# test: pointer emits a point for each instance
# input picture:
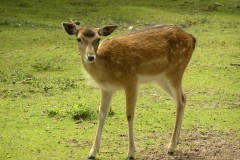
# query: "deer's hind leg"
(131, 96)
(174, 89)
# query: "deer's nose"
(91, 57)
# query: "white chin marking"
(87, 61)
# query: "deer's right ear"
(70, 28)
(106, 30)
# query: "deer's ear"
(70, 28)
(106, 30)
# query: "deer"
(156, 54)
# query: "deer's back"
(149, 51)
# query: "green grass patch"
(77, 112)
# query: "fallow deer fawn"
(159, 54)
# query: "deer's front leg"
(131, 96)
(105, 101)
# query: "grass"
(44, 90)
(77, 112)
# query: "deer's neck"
(96, 70)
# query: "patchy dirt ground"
(200, 146)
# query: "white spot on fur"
(184, 49)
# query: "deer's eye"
(79, 40)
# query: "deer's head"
(88, 38)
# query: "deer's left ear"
(70, 28)
(106, 30)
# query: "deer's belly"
(150, 78)
(108, 87)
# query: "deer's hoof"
(91, 157)
(130, 158)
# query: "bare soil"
(199, 146)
